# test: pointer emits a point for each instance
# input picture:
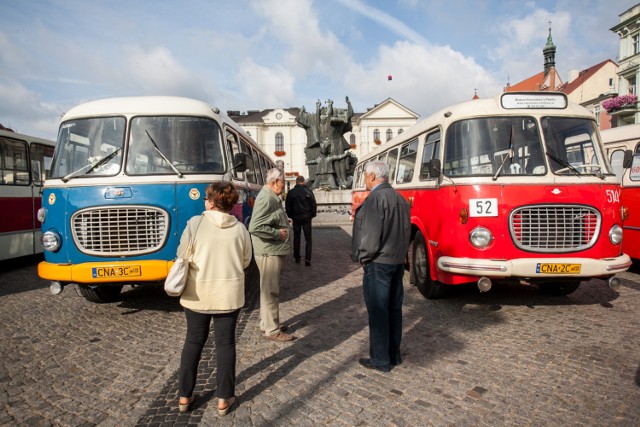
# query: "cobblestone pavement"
(512, 356)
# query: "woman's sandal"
(228, 404)
(184, 403)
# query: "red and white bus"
(623, 149)
(515, 188)
(24, 165)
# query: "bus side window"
(232, 149)
(392, 161)
(13, 162)
(263, 167)
(250, 173)
(407, 162)
(429, 152)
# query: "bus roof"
(480, 108)
(142, 105)
(28, 138)
(621, 133)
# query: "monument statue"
(327, 157)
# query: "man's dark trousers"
(383, 296)
(306, 229)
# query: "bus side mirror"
(434, 168)
(240, 162)
(36, 173)
(628, 159)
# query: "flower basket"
(290, 174)
(352, 146)
(377, 141)
(279, 153)
(619, 102)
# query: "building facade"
(277, 132)
(624, 107)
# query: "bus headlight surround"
(480, 237)
(615, 234)
(51, 241)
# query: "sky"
(258, 54)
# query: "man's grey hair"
(273, 175)
(379, 168)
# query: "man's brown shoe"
(280, 337)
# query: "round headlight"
(615, 234)
(51, 241)
(42, 214)
(480, 237)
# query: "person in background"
(301, 207)
(381, 237)
(215, 290)
(270, 233)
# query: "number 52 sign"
(483, 207)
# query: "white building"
(277, 132)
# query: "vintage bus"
(126, 176)
(24, 164)
(516, 188)
(623, 149)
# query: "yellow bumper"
(106, 272)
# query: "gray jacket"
(267, 219)
(381, 227)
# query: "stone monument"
(327, 152)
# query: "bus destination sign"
(533, 100)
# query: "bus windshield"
(89, 147)
(571, 146)
(497, 146)
(191, 144)
(494, 146)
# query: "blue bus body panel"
(180, 201)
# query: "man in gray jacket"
(381, 237)
(270, 234)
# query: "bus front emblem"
(194, 194)
(52, 198)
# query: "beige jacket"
(221, 252)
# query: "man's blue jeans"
(383, 295)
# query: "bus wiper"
(163, 156)
(508, 156)
(567, 165)
(90, 167)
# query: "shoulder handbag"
(176, 280)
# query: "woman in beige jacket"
(215, 290)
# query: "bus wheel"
(559, 289)
(429, 288)
(100, 294)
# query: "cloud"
(23, 111)
(264, 87)
(421, 77)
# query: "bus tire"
(430, 289)
(100, 294)
(559, 289)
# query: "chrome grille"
(555, 228)
(121, 230)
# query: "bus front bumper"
(536, 268)
(106, 272)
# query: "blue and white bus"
(126, 175)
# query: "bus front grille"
(554, 228)
(119, 231)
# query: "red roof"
(583, 77)
(533, 83)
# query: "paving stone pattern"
(512, 356)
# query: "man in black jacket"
(301, 208)
(381, 237)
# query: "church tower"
(549, 52)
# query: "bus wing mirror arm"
(628, 159)
(435, 168)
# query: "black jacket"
(301, 204)
(381, 227)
